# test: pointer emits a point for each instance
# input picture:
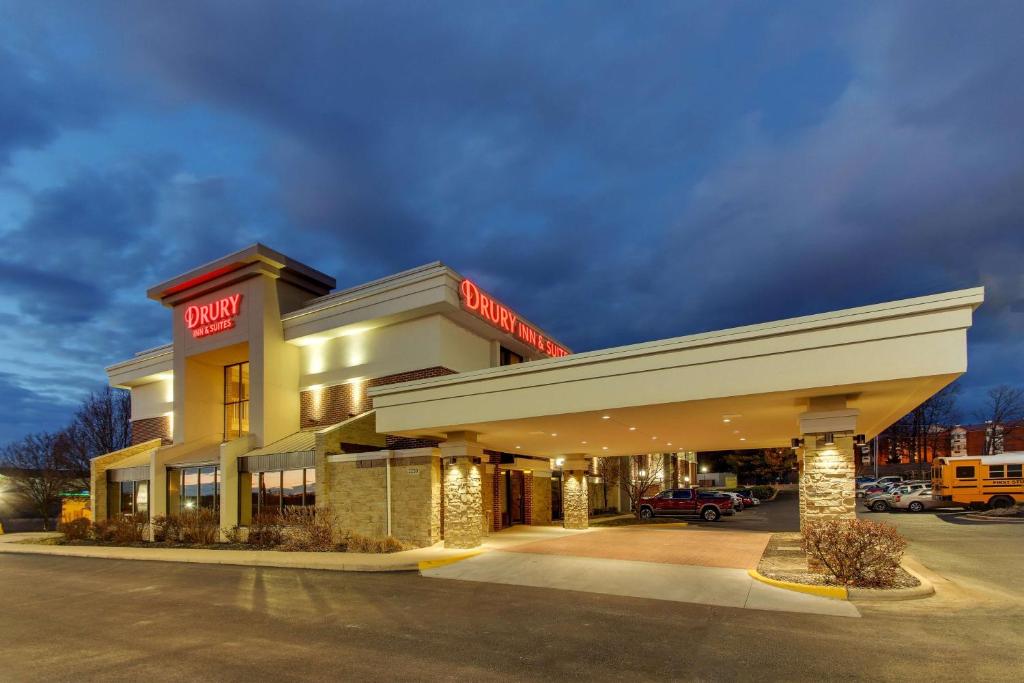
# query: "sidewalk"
(405, 561)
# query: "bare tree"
(101, 425)
(925, 429)
(38, 469)
(1003, 414)
(636, 474)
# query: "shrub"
(192, 527)
(102, 531)
(233, 535)
(75, 530)
(131, 528)
(265, 531)
(199, 527)
(855, 552)
(357, 543)
(308, 529)
(762, 492)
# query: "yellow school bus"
(979, 480)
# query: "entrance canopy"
(744, 387)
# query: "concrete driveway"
(674, 562)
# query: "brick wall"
(330, 405)
(149, 428)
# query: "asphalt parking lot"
(85, 619)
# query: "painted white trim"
(385, 454)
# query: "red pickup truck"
(687, 502)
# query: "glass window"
(292, 486)
(236, 400)
(127, 497)
(682, 495)
(965, 472)
(664, 494)
(272, 492)
(310, 475)
(208, 488)
(997, 471)
(142, 497)
(190, 488)
(1015, 471)
(509, 357)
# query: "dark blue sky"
(616, 171)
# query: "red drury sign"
(216, 316)
(505, 319)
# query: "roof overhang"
(739, 388)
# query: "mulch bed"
(784, 560)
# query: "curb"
(257, 562)
(434, 564)
(997, 520)
(833, 592)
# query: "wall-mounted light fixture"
(859, 440)
(796, 443)
(829, 438)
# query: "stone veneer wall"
(149, 428)
(827, 480)
(575, 503)
(333, 404)
(357, 495)
(464, 518)
(541, 500)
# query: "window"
(1015, 471)
(510, 357)
(236, 400)
(132, 497)
(200, 488)
(272, 492)
(965, 472)
(664, 494)
(997, 471)
(682, 495)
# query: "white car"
(880, 502)
(917, 500)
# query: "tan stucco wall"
(154, 399)
(430, 341)
(98, 467)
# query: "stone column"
(827, 482)
(575, 498)
(666, 470)
(463, 497)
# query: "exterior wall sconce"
(796, 443)
(829, 438)
(859, 440)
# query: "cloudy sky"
(617, 171)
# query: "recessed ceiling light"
(604, 448)
(654, 438)
(606, 417)
(743, 438)
(554, 433)
(583, 442)
(669, 443)
(726, 420)
(518, 447)
(632, 429)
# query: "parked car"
(875, 485)
(917, 500)
(882, 501)
(748, 497)
(687, 502)
(737, 500)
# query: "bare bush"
(308, 529)
(357, 543)
(265, 531)
(75, 530)
(192, 527)
(856, 552)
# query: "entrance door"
(556, 495)
(516, 498)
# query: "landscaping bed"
(785, 560)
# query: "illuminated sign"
(506, 320)
(216, 316)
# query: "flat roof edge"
(972, 297)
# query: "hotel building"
(420, 406)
